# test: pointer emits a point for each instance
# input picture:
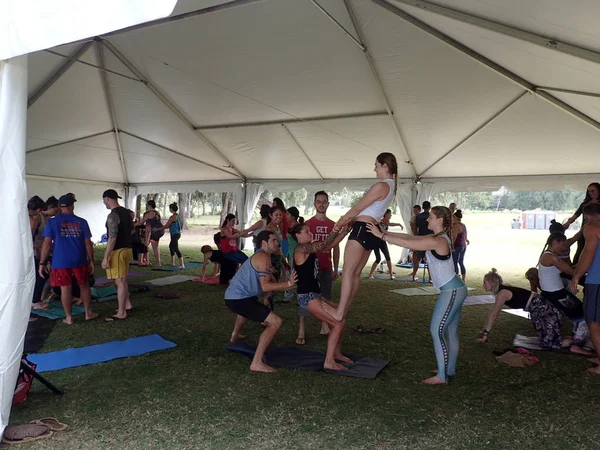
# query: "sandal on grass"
(51, 422)
(25, 433)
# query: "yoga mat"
(528, 342)
(188, 265)
(104, 280)
(56, 311)
(479, 300)
(207, 280)
(421, 290)
(387, 277)
(409, 265)
(303, 359)
(108, 291)
(173, 279)
(83, 356)
(517, 312)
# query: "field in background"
(493, 242)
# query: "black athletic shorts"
(250, 308)
(360, 233)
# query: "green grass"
(198, 395)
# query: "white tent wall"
(16, 265)
(89, 204)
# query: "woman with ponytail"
(446, 313)
(369, 209)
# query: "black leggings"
(384, 249)
(174, 245)
(39, 283)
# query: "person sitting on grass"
(241, 297)
(306, 265)
(222, 267)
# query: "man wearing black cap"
(118, 250)
(72, 256)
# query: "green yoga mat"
(103, 292)
(188, 265)
(56, 311)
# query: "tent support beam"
(72, 180)
(135, 136)
(380, 87)
(113, 115)
(169, 104)
(339, 25)
(489, 64)
(568, 91)
(59, 73)
(290, 134)
(104, 69)
(291, 121)
(537, 39)
(473, 133)
(175, 183)
(89, 136)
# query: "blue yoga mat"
(83, 356)
(409, 265)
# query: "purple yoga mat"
(103, 280)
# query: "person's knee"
(273, 320)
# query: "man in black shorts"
(254, 277)
(422, 230)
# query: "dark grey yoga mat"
(303, 359)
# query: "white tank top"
(550, 280)
(441, 268)
(377, 209)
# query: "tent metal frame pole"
(474, 132)
(169, 104)
(175, 183)
(292, 121)
(380, 87)
(111, 107)
(339, 25)
(489, 64)
(85, 63)
(58, 144)
(191, 158)
(291, 135)
(568, 91)
(72, 180)
(507, 30)
(58, 73)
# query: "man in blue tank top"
(590, 262)
(253, 277)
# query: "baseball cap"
(111, 193)
(66, 200)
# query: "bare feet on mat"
(581, 351)
(182, 267)
(300, 340)
(594, 360)
(594, 370)
(77, 301)
(236, 337)
(433, 380)
(262, 367)
(340, 357)
(92, 316)
(68, 320)
(334, 366)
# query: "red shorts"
(64, 277)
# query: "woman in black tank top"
(309, 291)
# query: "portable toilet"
(537, 220)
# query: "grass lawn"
(198, 395)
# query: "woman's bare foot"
(581, 351)
(342, 358)
(594, 370)
(300, 340)
(262, 367)
(68, 320)
(92, 316)
(594, 360)
(433, 380)
(40, 305)
(77, 301)
(334, 366)
(182, 266)
(335, 313)
(236, 337)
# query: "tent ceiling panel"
(263, 152)
(89, 159)
(147, 163)
(75, 106)
(185, 6)
(575, 22)
(590, 106)
(285, 54)
(43, 64)
(140, 112)
(439, 95)
(346, 148)
(534, 137)
(539, 65)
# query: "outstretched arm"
(315, 247)
(501, 298)
(421, 243)
(263, 264)
(225, 232)
(377, 192)
(171, 220)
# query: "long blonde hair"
(442, 212)
(495, 280)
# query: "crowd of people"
(301, 258)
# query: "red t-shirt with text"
(321, 229)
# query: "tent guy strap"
(169, 104)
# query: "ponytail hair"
(458, 214)
(390, 160)
(494, 279)
(296, 229)
(554, 237)
(442, 212)
(556, 227)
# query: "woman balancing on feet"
(369, 209)
(306, 265)
(446, 313)
(241, 296)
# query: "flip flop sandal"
(25, 433)
(379, 330)
(52, 423)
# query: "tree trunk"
(138, 206)
(213, 204)
(183, 210)
(229, 206)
